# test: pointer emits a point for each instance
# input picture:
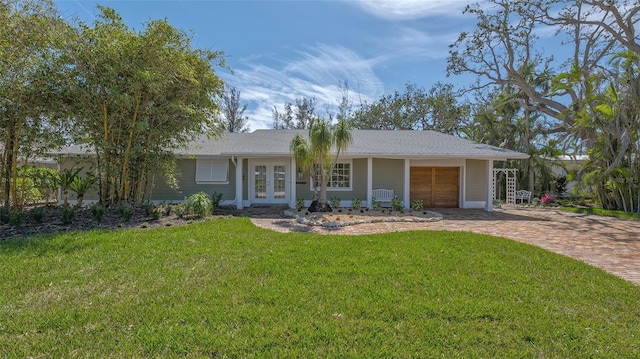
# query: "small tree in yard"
(315, 155)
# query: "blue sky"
(283, 50)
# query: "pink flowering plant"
(546, 199)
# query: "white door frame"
(270, 185)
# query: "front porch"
(456, 183)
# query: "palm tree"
(315, 155)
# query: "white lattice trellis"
(511, 176)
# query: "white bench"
(523, 195)
(383, 195)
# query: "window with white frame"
(340, 179)
(212, 171)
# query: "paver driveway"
(609, 243)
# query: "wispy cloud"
(412, 9)
(411, 43)
(314, 73)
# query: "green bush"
(68, 215)
(216, 198)
(396, 204)
(16, 217)
(37, 214)
(97, 210)
(335, 201)
(27, 191)
(299, 203)
(155, 213)
(180, 210)
(417, 204)
(152, 210)
(126, 211)
(4, 215)
(377, 205)
(199, 204)
(356, 204)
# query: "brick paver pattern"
(609, 243)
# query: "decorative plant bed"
(337, 219)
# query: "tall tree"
(505, 37)
(234, 119)
(415, 109)
(298, 117)
(137, 97)
(315, 155)
(31, 36)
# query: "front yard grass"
(224, 288)
(602, 212)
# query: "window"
(340, 179)
(208, 171)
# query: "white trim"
(337, 189)
(474, 204)
(269, 164)
(407, 183)
(369, 182)
(239, 181)
(212, 171)
(488, 206)
(453, 162)
(292, 182)
(461, 193)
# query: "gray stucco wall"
(476, 180)
(359, 184)
(186, 169)
(389, 174)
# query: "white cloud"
(315, 73)
(411, 43)
(412, 9)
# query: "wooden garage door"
(436, 186)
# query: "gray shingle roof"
(366, 143)
(376, 143)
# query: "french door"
(269, 182)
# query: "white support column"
(488, 206)
(369, 182)
(293, 179)
(407, 183)
(239, 181)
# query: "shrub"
(546, 199)
(215, 199)
(356, 203)
(68, 215)
(97, 210)
(299, 203)
(4, 215)
(152, 211)
(199, 204)
(377, 205)
(27, 191)
(396, 204)
(335, 201)
(417, 204)
(155, 213)
(16, 217)
(126, 211)
(81, 185)
(180, 210)
(37, 214)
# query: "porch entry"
(269, 182)
(436, 186)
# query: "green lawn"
(226, 289)
(602, 212)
